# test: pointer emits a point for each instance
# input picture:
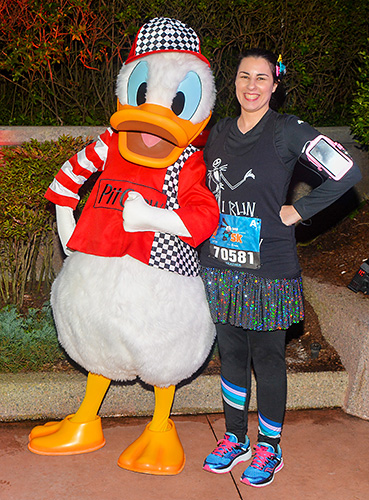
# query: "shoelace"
(223, 446)
(262, 455)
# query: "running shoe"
(265, 463)
(228, 453)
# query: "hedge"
(59, 59)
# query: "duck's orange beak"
(152, 135)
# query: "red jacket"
(99, 230)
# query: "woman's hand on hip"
(289, 215)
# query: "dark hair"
(279, 94)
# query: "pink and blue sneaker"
(228, 453)
(265, 463)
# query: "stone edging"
(32, 396)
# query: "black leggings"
(265, 351)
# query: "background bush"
(27, 219)
(28, 339)
(28, 343)
(60, 58)
(360, 106)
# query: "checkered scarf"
(168, 251)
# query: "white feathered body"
(123, 319)
(117, 316)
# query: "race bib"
(236, 242)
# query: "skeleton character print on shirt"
(236, 242)
(216, 178)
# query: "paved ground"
(326, 456)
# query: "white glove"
(140, 216)
(66, 224)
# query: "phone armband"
(329, 156)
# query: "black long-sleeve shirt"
(291, 135)
(252, 172)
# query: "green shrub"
(28, 343)
(27, 221)
(360, 106)
(59, 60)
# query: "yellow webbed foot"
(70, 438)
(155, 452)
(46, 429)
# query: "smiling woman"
(250, 266)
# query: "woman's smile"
(251, 97)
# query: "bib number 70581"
(236, 242)
(233, 256)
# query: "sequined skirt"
(253, 302)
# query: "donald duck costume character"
(129, 301)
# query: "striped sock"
(269, 431)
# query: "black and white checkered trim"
(168, 251)
(163, 33)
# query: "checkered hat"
(163, 34)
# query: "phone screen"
(329, 157)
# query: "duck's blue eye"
(137, 84)
(188, 96)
